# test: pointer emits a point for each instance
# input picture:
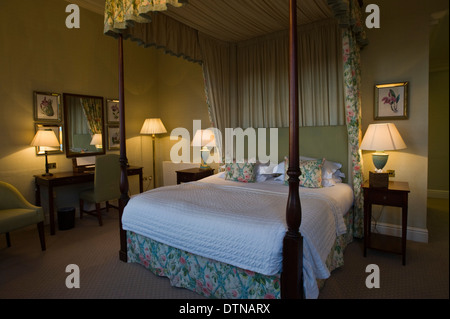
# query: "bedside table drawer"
(193, 174)
(184, 178)
(382, 197)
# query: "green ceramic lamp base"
(379, 160)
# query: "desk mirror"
(84, 125)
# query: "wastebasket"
(66, 218)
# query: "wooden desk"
(70, 178)
(396, 194)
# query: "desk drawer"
(387, 198)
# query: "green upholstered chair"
(16, 212)
(106, 185)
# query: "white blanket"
(238, 225)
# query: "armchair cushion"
(16, 218)
(15, 211)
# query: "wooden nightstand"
(193, 174)
(395, 195)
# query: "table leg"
(37, 194)
(367, 216)
(51, 210)
(404, 227)
(141, 183)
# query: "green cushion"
(12, 219)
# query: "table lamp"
(151, 127)
(379, 138)
(45, 138)
(206, 140)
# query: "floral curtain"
(348, 12)
(93, 112)
(352, 80)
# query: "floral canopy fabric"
(119, 14)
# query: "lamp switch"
(391, 172)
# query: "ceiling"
(236, 20)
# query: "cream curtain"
(263, 81)
(246, 83)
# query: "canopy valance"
(121, 14)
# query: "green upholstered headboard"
(330, 142)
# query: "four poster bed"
(244, 240)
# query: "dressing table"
(70, 178)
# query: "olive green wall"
(438, 141)
(39, 53)
(399, 51)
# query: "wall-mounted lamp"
(45, 138)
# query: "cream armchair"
(16, 212)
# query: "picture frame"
(113, 137)
(112, 111)
(391, 101)
(58, 129)
(47, 107)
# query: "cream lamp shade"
(153, 126)
(45, 138)
(97, 140)
(206, 140)
(382, 137)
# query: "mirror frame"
(67, 129)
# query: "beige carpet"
(27, 272)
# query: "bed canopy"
(231, 40)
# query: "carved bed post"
(123, 156)
(292, 275)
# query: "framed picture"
(47, 106)
(112, 111)
(113, 137)
(58, 129)
(391, 101)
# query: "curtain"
(93, 112)
(263, 81)
(353, 39)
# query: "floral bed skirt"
(211, 278)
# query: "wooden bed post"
(292, 275)
(123, 156)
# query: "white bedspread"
(241, 224)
